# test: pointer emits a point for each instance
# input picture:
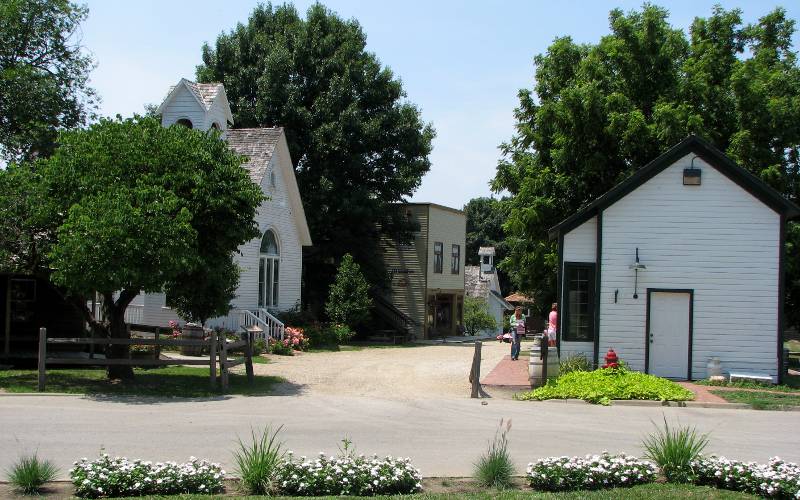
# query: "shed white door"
(669, 334)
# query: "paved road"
(443, 437)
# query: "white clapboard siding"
(184, 106)
(716, 239)
(580, 245)
(449, 227)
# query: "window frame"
(455, 262)
(438, 257)
(564, 307)
(269, 273)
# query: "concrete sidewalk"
(442, 436)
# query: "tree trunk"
(115, 317)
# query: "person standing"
(517, 331)
(552, 325)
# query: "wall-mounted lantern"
(692, 175)
(637, 266)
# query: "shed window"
(185, 122)
(455, 263)
(438, 257)
(579, 303)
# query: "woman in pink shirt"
(552, 325)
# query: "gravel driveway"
(402, 373)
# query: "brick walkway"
(509, 374)
(702, 393)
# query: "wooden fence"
(218, 346)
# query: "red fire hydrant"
(611, 359)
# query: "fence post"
(213, 357)
(248, 360)
(128, 329)
(42, 358)
(223, 362)
(545, 351)
(156, 347)
(475, 373)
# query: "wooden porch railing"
(218, 345)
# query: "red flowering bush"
(176, 330)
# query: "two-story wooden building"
(427, 275)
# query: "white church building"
(271, 266)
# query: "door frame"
(690, 291)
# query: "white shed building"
(271, 265)
(483, 282)
(680, 263)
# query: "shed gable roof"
(206, 94)
(692, 144)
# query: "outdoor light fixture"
(691, 175)
(636, 266)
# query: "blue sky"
(461, 62)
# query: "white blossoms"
(121, 477)
(589, 472)
(777, 479)
(350, 475)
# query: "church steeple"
(197, 105)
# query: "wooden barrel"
(535, 365)
(191, 331)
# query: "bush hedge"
(606, 384)
(589, 473)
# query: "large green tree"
(128, 206)
(485, 219)
(600, 111)
(44, 75)
(357, 144)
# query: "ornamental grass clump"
(29, 474)
(259, 462)
(777, 479)
(495, 469)
(674, 450)
(350, 475)
(591, 472)
(606, 384)
(118, 477)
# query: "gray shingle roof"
(257, 144)
(474, 285)
(206, 92)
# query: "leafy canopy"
(44, 75)
(477, 317)
(130, 206)
(599, 111)
(356, 143)
(348, 297)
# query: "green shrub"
(339, 333)
(320, 337)
(280, 347)
(495, 469)
(259, 346)
(603, 385)
(477, 317)
(29, 474)
(348, 297)
(259, 462)
(674, 450)
(574, 363)
(297, 317)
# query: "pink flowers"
(176, 331)
(294, 337)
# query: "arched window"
(215, 126)
(185, 122)
(268, 270)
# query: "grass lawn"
(173, 381)
(644, 492)
(761, 400)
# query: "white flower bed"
(589, 472)
(777, 479)
(349, 475)
(107, 477)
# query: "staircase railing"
(397, 318)
(270, 325)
